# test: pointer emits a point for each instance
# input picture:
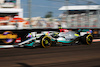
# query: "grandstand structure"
(10, 7)
(81, 16)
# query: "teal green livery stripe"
(31, 44)
(64, 41)
(52, 40)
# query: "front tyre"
(45, 41)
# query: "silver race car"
(48, 38)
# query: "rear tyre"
(45, 41)
(87, 39)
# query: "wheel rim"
(46, 42)
(89, 39)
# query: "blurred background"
(31, 14)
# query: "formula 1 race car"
(48, 38)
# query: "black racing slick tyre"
(45, 41)
(87, 39)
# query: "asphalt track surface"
(58, 56)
